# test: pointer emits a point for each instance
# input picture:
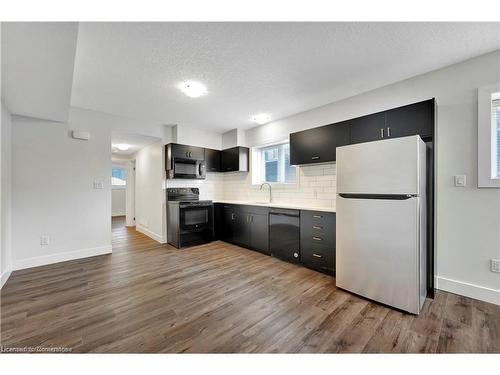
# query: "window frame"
(257, 172)
(486, 137)
(126, 177)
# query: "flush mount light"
(261, 118)
(122, 146)
(193, 89)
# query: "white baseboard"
(469, 290)
(147, 232)
(5, 277)
(61, 257)
(118, 214)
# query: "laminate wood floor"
(148, 297)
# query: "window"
(488, 136)
(272, 164)
(118, 176)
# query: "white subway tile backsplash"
(315, 187)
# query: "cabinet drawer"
(318, 256)
(324, 221)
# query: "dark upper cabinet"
(368, 128)
(235, 159)
(212, 160)
(186, 152)
(318, 145)
(411, 119)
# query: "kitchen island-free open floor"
(148, 297)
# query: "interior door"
(377, 250)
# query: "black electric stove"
(189, 221)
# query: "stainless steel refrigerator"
(381, 221)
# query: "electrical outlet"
(44, 240)
(495, 265)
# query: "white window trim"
(119, 187)
(256, 164)
(486, 135)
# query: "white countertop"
(278, 205)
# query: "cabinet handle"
(317, 239)
(232, 216)
(314, 157)
(317, 256)
(381, 132)
(317, 227)
(317, 216)
(388, 131)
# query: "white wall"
(5, 193)
(52, 190)
(130, 194)
(194, 136)
(118, 201)
(468, 219)
(149, 193)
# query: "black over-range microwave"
(187, 168)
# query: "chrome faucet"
(270, 189)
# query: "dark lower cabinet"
(306, 237)
(317, 240)
(318, 145)
(246, 226)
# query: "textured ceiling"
(131, 69)
(37, 68)
(135, 141)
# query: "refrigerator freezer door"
(377, 250)
(389, 166)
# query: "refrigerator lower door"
(377, 252)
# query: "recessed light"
(261, 118)
(122, 146)
(193, 89)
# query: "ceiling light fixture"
(261, 118)
(122, 146)
(193, 89)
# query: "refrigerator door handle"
(400, 197)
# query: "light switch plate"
(460, 180)
(44, 240)
(98, 185)
(495, 265)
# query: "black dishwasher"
(284, 234)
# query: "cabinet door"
(315, 145)
(411, 119)
(259, 232)
(212, 160)
(230, 160)
(242, 228)
(229, 223)
(188, 152)
(368, 128)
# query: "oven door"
(195, 218)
